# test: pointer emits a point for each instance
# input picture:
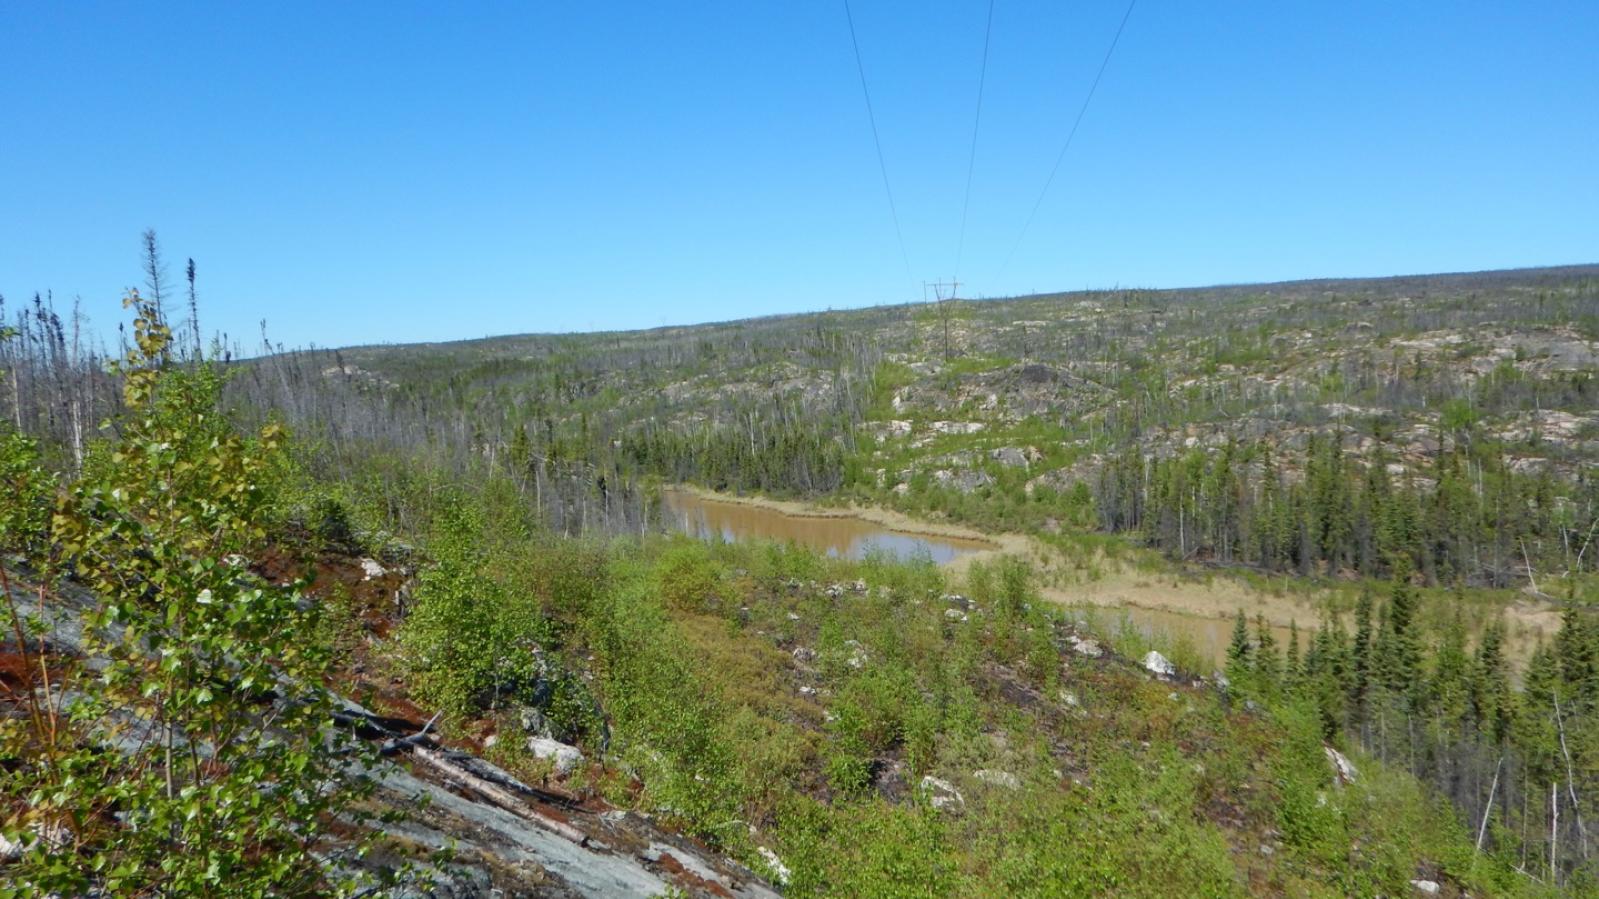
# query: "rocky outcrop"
(500, 835)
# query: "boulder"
(780, 872)
(941, 793)
(1426, 887)
(1009, 456)
(566, 758)
(1159, 664)
(370, 568)
(1343, 769)
(998, 778)
(1083, 647)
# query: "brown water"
(1202, 637)
(853, 538)
(837, 535)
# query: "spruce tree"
(1291, 671)
(1268, 666)
(1361, 657)
(1239, 657)
(1490, 687)
(1404, 662)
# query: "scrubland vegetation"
(187, 603)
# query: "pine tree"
(1404, 663)
(1239, 657)
(1361, 658)
(1490, 686)
(1574, 650)
(1449, 690)
(1268, 666)
(1291, 670)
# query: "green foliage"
(198, 760)
(479, 638)
(27, 492)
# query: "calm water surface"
(854, 538)
(850, 538)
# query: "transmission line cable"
(1071, 134)
(882, 166)
(971, 158)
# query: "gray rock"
(1009, 456)
(1083, 647)
(1343, 769)
(998, 778)
(1159, 664)
(780, 871)
(941, 794)
(566, 758)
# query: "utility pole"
(939, 287)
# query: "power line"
(882, 166)
(971, 159)
(1071, 134)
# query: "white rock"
(1085, 647)
(1343, 769)
(998, 778)
(566, 758)
(371, 569)
(1426, 887)
(780, 871)
(942, 793)
(857, 654)
(1159, 664)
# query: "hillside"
(451, 576)
(1190, 419)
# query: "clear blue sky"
(392, 172)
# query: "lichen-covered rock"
(1343, 769)
(566, 758)
(941, 794)
(1159, 665)
(998, 778)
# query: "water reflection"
(850, 538)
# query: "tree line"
(1520, 765)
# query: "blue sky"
(392, 172)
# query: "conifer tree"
(1361, 657)
(1291, 671)
(1268, 666)
(1239, 657)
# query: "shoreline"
(1215, 598)
(1109, 591)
